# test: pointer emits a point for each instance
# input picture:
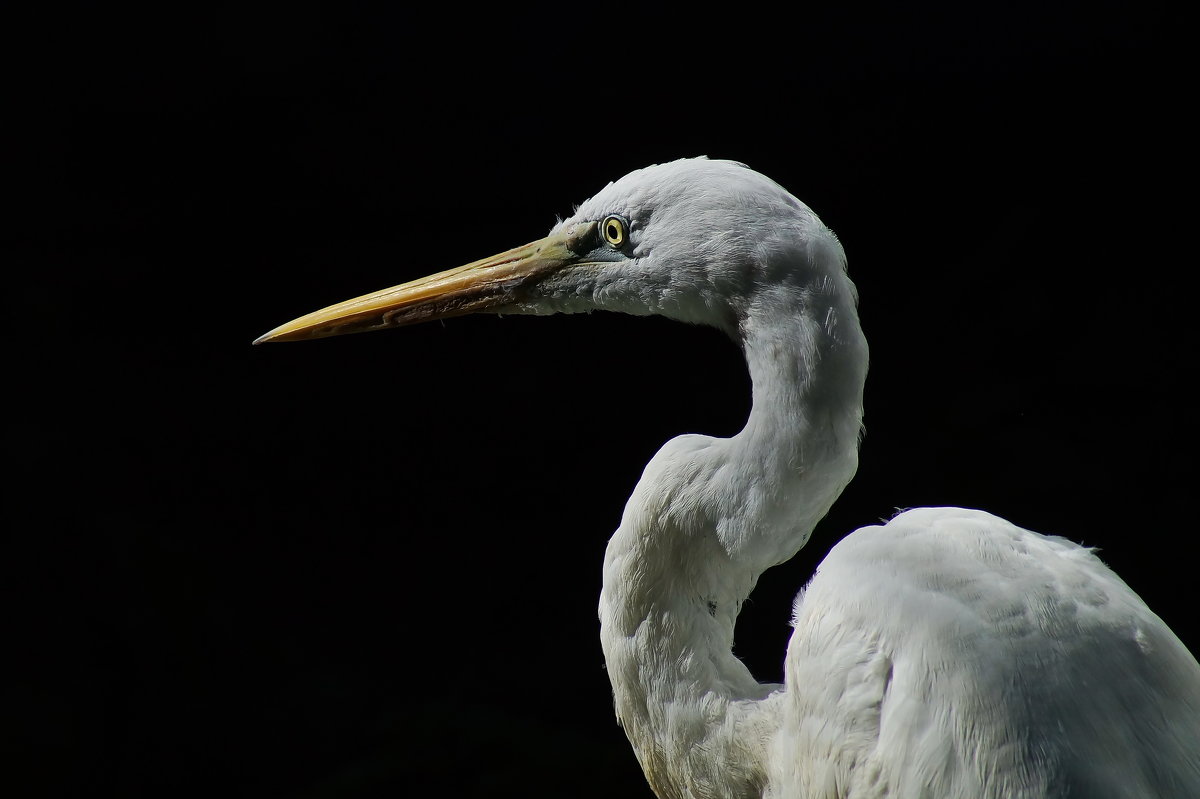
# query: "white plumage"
(945, 654)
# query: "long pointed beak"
(489, 283)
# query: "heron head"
(697, 240)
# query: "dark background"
(369, 566)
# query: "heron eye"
(613, 230)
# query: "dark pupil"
(613, 231)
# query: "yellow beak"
(489, 283)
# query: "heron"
(943, 653)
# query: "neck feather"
(706, 519)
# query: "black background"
(369, 566)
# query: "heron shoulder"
(959, 652)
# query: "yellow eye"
(613, 230)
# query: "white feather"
(944, 654)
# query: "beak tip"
(270, 336)
(289, 332)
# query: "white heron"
(946, 653)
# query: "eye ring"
(615, 231)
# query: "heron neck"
(706, 519)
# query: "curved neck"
(706, 519)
